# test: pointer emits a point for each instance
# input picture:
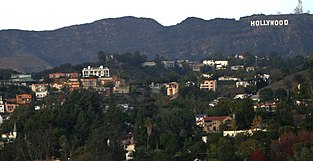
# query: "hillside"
(193, 38)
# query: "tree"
(149, 125)
(266, 94)
(281, 94)
(247, 147)
(258, 155)
(299, 8)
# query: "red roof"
(216, 118)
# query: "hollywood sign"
(269, 23)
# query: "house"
(249, 69)
(267, 106)
(241, 96)
(172, 88)
(221, 64)
(214, 123)
(255, 98)
(73, 83)
(168, 64)
(105, 81)
(200, 119)
(244, 132)
(10, 107)
(207, 75)
(24, 99)
(129, 146)
(242, 84)
(10, 136)
(57, 86)
(21, 78)
(96, 72)
(237, 67)
(89, 83)
(228, 79)
(208, 63)
(209, 85)
(2, 108)
(40, 90)
(149, 64)
(62, 74)
(120, 86)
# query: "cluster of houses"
(96, 78)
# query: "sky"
(53, 14)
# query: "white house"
(208, 62)
(40, 90)
(2, 109)
(98, 72)
(242, 84)
(221, 64)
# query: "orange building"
(24, 99)
(10, 107)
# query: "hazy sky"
(53, 14)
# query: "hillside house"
(120, 86)
(149, 64)
(221, 64)
(24, 99)
(10, 107)
(209, 85)
(89, 83)
(172, 88)
(40, 90)
(168, 64)
(73, 84)
(2, 108)
(63, 75)
(96, 72)
(242, 84)
(208, 63)
(214, 123)
(22, 78)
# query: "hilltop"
(193, 38)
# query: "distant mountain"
(193, 38)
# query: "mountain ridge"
(193, 38)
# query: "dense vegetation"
(85, 125)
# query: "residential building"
(89, 83)
(73, 84)
(24, 99)
(149, 64)
(62, 74)
(267, 106)
(105, 81)
(96, 72)
(57, 86)
(120, 86)
(242, 84)
(209, 85)
(10, 107)
(40, 90)
(241, 96)
(172, 88)
(228, 79)
(208, 62)
(237, 67)
(168, 64)
(2, 109)
(249, 69)
(214, 123)
(22, 78)
(221, 64)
